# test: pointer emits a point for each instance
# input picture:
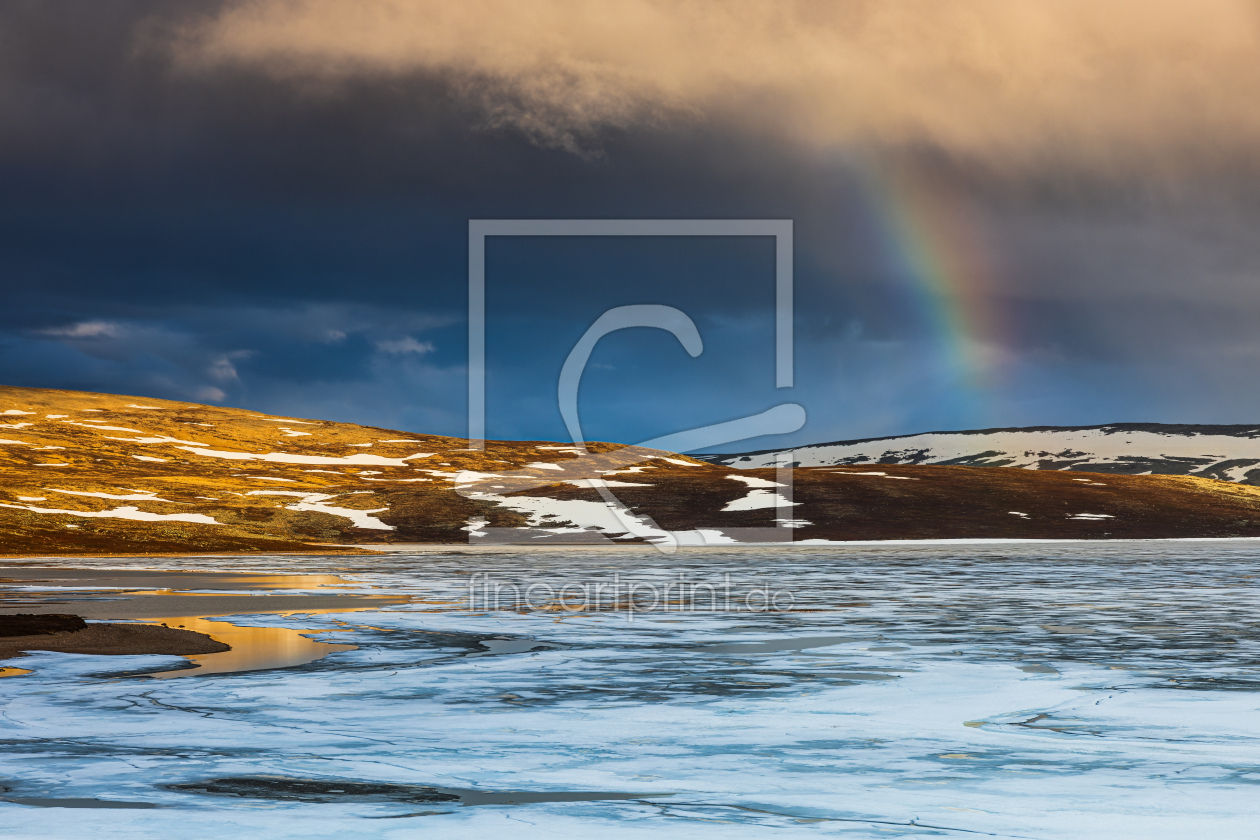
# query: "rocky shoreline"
(63, 633)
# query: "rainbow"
(933, 246)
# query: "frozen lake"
(1029, 691)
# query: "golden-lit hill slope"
(89, 473)
(100, 474)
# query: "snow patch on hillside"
(361, 459)
(758, 500)
(594, 483)
(581, 515)
(314, 502)
(127, 512)
(753, 481)
(1233, 457)
(137, 496)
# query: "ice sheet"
(1048, 692)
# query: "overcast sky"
(1007, 212)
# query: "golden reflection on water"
(252, 581)
(192, 583)
(253, 648)
(14, 672)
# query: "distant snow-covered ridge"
(1229, 453)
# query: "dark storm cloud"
(295, 242)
